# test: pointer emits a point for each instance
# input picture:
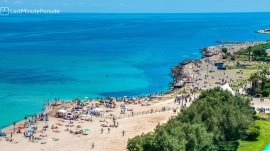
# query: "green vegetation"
(224, 50)
(215, 121)
(260, 83)
(257, 52)
(261, 141)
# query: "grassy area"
(259, 46)
(262, 141)
(242, 54)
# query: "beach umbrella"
(27, 123)
(30, 131)
(87, 129)
(20, 127)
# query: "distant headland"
(264, 31)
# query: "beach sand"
(133, 125)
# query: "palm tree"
(260, 76)
(254, 78)
(249, 52)
(263, 75)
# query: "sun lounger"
(55, 139)
(56, 131)
(104, 125)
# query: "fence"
(121, 116)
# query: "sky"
(142, 6)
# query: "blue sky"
(142, 6)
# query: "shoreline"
(209, 52)
(191, 72)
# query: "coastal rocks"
(181, 73)
(210, 51)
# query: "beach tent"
(226, 87)
(97, 109)
(62, 111)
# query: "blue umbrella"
(30, 131)
(27, 123)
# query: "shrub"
(252, 133)
(215, 118)
(265, 93)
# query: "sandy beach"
(121, 120)
(133, 125)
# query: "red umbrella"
(20, 127)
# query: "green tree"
(224, 50)
(214, 119)
(259, 53)
(254, 78)
(252, 133)
(259, 80)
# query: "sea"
(70, 55)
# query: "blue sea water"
(98, 55)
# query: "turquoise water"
(267, 148)
(97, 55)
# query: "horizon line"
(162, 12)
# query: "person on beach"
(93, 145)
(14, 129)
(123, 132)
(109, 130)
(101, 130)
(11, 135)
(30, 137)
